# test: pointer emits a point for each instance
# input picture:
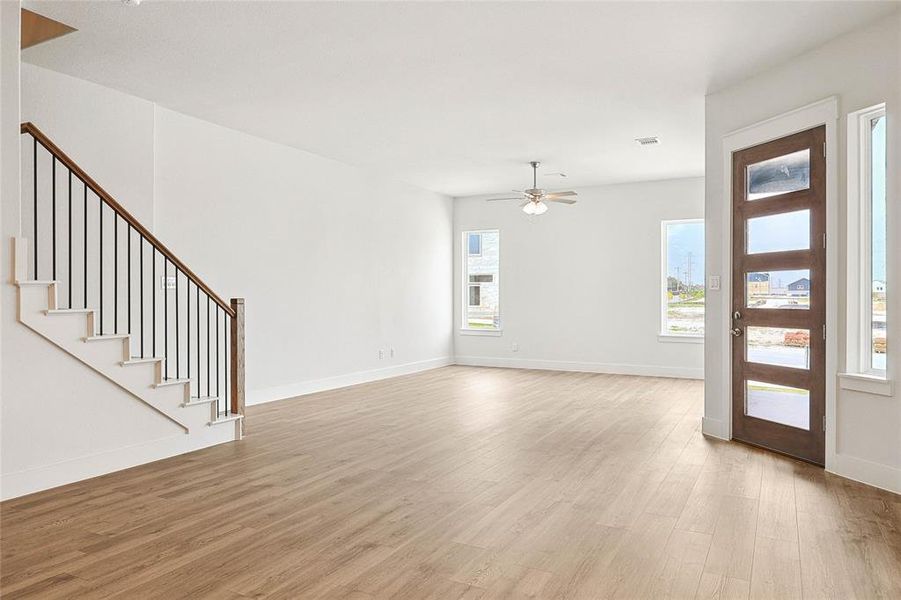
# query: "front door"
(779, 295)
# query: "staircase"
(96, 283)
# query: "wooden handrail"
(120, 210)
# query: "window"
(481, 271)
(867, 254)
(475, 244)
(682, 306)
(475, 295)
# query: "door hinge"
(824, 422)
(824, 332)
(824, 149)
(824, 240)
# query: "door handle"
(736, 331)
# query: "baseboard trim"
(715, 428)
(302, 388)
(585, 367)
(864, 471)
(29, 481)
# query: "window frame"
(860, 251)
(664, 335)
(464, 267)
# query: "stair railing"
(104, 259)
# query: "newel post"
(237, 357)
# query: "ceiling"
(454, 97)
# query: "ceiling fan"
(534, 199)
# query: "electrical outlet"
(714, 283)
(167, 282)
(515, 346)
(381, 354)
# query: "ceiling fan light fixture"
(535, 208)
(534, 199)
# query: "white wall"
(334, 262)
(581, 284)
(108, 133)
(862, 69)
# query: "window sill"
(868, 384)
(675, 338)
(485, 332)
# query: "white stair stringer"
(74, 332)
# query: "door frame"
(823, 112)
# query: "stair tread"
(166, 382)
(37, 282)
(107, 336)
(202, 400)
(137, 360)
(228, 419)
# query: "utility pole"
(690, 256)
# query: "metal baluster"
(208, 345)
(227, 361)
(115, 273)
(70, 239)
(100, 274)
(35, 160)
(197, 308)
(85, 245)
(188, 323)
(53, 245)
(218, 357)
(153, 302)
(129, 287)
(141, 288)
(177, 345)
(165, 318)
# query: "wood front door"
(779, 295)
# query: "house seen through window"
(481, 309)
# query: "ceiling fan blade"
(510, 198)
(560, 194)
(524, 203)
(560, 200)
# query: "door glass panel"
(779, 233)
(778, 346)
(779, 175)
(778, 289)
(778, 403)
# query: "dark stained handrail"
(122, 212)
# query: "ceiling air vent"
(648, 141)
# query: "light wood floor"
(463, 482)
